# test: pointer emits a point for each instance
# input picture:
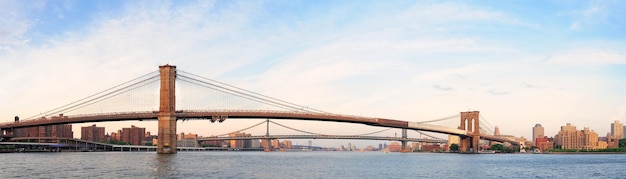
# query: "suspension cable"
(47, 113)
(375, 132)
(243, 129)
(244, 94)
(295, 129)
(103, 96)
(271, 98)
(440, 119)
(110, 96)
(223, 91)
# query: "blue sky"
(518, 62)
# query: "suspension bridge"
(241, 104)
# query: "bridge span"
(355, 137)
(167, 115)
(221, 115)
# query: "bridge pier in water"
(167, 111)
(404, 142)
(471, 124)
(268, 141)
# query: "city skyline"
(562, 62)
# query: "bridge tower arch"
(471, 124)
(167, 111)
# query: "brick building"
(92, 133)
(133, 135)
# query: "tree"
(622, 143)
(454, 147)
(497, 147)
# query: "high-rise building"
(617, 130)
(537, 133)
(133, 135)
(59, 130)
(286, 144)
(570, 138)
(92, 133)
(496, 131)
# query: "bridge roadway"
(221, 115)
(324, 137)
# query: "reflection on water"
(307, 165)
(164, 165)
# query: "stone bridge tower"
(471, 124)
(167, 111)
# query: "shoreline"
(560, 153)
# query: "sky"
(517, 62)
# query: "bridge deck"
(250, 114)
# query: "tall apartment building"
(617, 130)
(133, 135)
(60, 130)
(92, 133)
(537, 133)
(570, 138)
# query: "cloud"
(498, 92)
(583, 56)
(595, 13)
(443, 89)
(14, 24)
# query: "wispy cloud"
(443, 89)
(594, 13)
(583, 56)
(498, 92)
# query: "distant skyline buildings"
(538, 132)
(92, 133)
(617, 130)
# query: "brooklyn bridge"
(469, 129)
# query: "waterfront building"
(617, 130)
(570, 138)
(133, 135)
(92, 133)
(59, 130)
(544, 143)
(236, 143)
(395, 147)
(537, 132)
(286, 144)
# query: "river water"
(308, 165)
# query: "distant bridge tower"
(471, 124)
(167, 111)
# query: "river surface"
(308, 165)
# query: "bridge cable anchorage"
(241, 129)
(91, 98)
(244, 95)
(258, 94)
(440, 119)
(53, 111)
(248, 98)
